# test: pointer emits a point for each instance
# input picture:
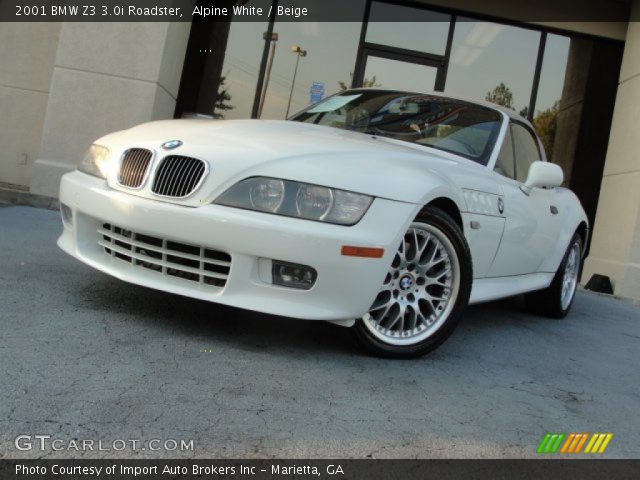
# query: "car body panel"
(530, 231)
(247, 237)
(515, 239)
(237, 149)
(488, 289)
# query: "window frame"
(513, 152)
(536, 142)
(457, 13)
(510, 122)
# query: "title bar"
(286, 11)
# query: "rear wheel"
(424, 292)
(555, 301)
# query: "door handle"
(554, 209)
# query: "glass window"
(239, 74)
(451, 125)
(326, 68)
(427, 32)
(494, 62)
(395, 74)
(526, 150)
(554, 67)
(505, 163)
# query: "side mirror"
(543, 175)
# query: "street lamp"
(299, 53)
(273, 40)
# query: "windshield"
(451, 125)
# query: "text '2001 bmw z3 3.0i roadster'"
(387, 212)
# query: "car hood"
(237, 149)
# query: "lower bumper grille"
(181, 260)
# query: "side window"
(505, 164)
(526, 150)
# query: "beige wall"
(615, 249)
(106, 77)
(27, 52)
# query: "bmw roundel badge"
(171, 144)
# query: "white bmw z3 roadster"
(387, 212)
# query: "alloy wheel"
(570, 276)
(419, 290)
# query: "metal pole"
(536, 77)
(295, 72)
(263, 62)
(266, 80)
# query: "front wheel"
(424, 292)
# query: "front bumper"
(345, 286)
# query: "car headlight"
(313, 201)
(95, 161)
(295, 199)
(268, 195)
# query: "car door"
(532, 222)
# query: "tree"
(501, 95)
(366, 83)
(222, 96)
(545, 123)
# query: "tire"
(424, 292)
(555, 301)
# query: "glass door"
(398, 74)
(403, 47)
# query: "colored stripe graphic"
(598, 443)
(543, 443)
(550, 443)
(567, 443)
(572, 443)
(584, 439)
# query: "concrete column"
(27, 53)
(106, 77)
(615, 249)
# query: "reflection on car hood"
(238, 149)
(271, 138)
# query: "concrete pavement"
(85, 356)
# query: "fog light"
(293, 275)
(67, 214)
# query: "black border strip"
(326, 469)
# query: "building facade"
(64, 84)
